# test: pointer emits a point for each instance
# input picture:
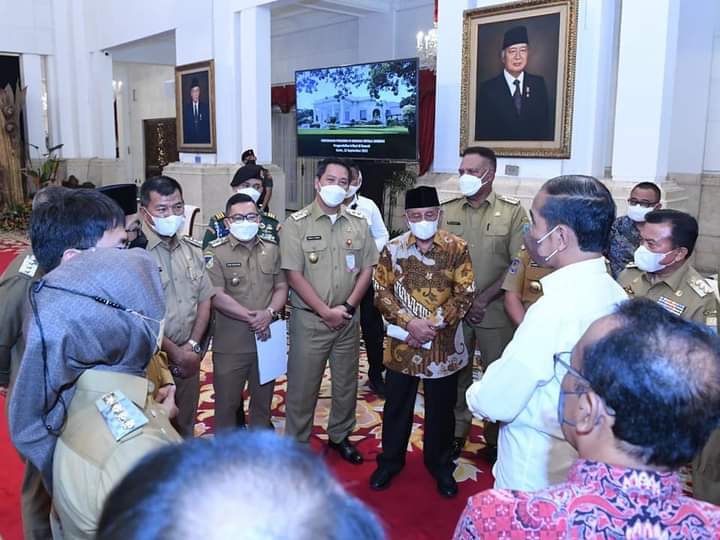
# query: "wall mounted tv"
(359, 111)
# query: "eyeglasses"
(239, 218)
(430, 215)
(632, 201)
(561, 367)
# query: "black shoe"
(489, 454)
(457, 446)
(347, 451)
(377, 386)
(381, 478)
(446, 485)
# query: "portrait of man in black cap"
(196, 114)
(514, 105)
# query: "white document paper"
(273, 353)
(394, 331)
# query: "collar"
(511, 80)
(234, 242)
(316, 212)
(673, 280)
(557, 281)
(103, 381)
(643, 482)
(154, 239)
(490, 200)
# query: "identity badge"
(350, 262)
(121, 415)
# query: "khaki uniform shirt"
(494, 234)
(249, 276)
(438, 286)
(523, 278)
(684, 292)
(14, 289)
(88, 462)
(330, 256)
(186, 284)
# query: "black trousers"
(373, 333)
(440, 394)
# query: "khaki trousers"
(311, 345)
(230, 373)
(490, 342)
(187, 394)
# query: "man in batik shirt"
(639, 398)
(424, 286)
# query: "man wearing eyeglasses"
(250, 289)
(492, 225)
(625, 232)
(571, 218)
(639, 396)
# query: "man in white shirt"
(370, 319)
(571, 219)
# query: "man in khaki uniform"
(250, 289)
(492, 225)
(187, 288)
(662, 272)
(522, 285)
(328, 254)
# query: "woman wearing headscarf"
(82, 410)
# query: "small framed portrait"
(195, 106)
(518, 78)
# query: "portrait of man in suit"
(514, 105)
(196, 115)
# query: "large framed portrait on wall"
(195, 107)
(518, 78)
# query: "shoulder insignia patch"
(121, 415)
(219, 216)
(711, 318)
(509, 200)
(300, 214)
(454, 199)
(218, 241)
(701, 287)
(209, 260)
(29, 266)
(355, 213)
(190, 240)
(271, 215)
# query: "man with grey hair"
(571, 218)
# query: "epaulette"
(271, 216)
(29, 266)
(218, 242)
(509, 200)
(300, 214)
(701, 287)
(356, 213)
(190, 240)
(454, 199)
(219, 216)
(631, 265)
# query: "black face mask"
(139, 242)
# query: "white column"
(31, 68)
(646, 69)
(228, 86)
(254, 81)
(449, 73)
(103, 117)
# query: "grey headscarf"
(69, 333)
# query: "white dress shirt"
(519, 389)
(510, 80)
(374, 218)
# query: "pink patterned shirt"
(598, 501)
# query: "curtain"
(426, 118)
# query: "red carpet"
(410, 510)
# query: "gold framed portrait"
(518, 78)
(195, 107)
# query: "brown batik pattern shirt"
(437, 285)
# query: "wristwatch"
(196, 347)
(350, 308)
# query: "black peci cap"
(421, 197)
(517, 34)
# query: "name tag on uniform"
(121, 415)
(234, 264)
(350, 262)
(454, 223)
(314, 237)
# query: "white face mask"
(424, 230)
(253, 193)
(245, 230)
(637, 213)
(168, 226)
(332, 195)
(352, 190)
(469, 185)
(647, 261)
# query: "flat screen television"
(362, 111)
